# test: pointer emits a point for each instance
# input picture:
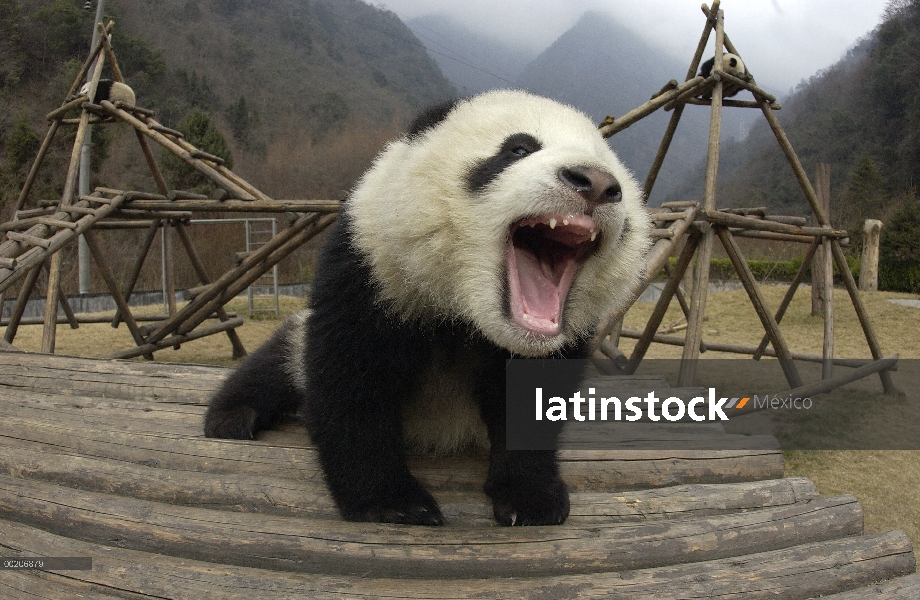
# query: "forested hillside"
(304, 91)
(861, 116)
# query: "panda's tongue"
(544, 256)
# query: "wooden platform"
(106, 459)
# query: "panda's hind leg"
(255, 394)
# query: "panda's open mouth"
(545, 254)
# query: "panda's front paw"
(237, 423)
(531, 504)
(412, 506)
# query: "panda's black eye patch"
(515, 147)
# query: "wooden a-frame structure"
(697, 225)
(35, 236)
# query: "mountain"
(860, 115)
(471, 61)
(305, 91)
(603, 68)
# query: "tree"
(200, 131)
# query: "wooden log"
(861, 314)
(670, 288)
(30, 240)
(790, 292)
(827, 385)
(109, 55)
(280, 454)
(386, 550)
(88, 63)
(253, 206)
(730, 220)
(900, 588)
(21, 301)
(239, 351)
(694, 335)
(152, 163)
(126, 380)
(753, 292)
(642, 111)
(310, 499)
(205, 303)
(65, 108)
(805, 571)
(8, 263)
(166, 130)
(751, 87)
(796, 165)
(203, 168)
(36, 165)
(868, 264)
(819, 289)
(731, 102)
(252, 274)
(112, 284)
(138, 265)
(177, 340)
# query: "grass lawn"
(887, 483)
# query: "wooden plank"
(373, 549)
(296, 497)
(159, 382)
(289, 455)
(901, 588)
(802, 572)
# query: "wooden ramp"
(105, 459)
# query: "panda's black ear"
(430, 117)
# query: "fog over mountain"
(598, 66)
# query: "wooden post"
(818, 267)
(868, 265)
(694, 335)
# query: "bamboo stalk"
(769, 323)
(790, 292)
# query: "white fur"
(438, 251)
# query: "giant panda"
(731, 63)
(499, 226)
(113, 91)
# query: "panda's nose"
(594, 185)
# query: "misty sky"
(782, 41)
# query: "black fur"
(362, 364)
(103, 90)
(430, 118)
(514, 148)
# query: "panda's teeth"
(565, 221)
(593, 235)
(552, 223)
